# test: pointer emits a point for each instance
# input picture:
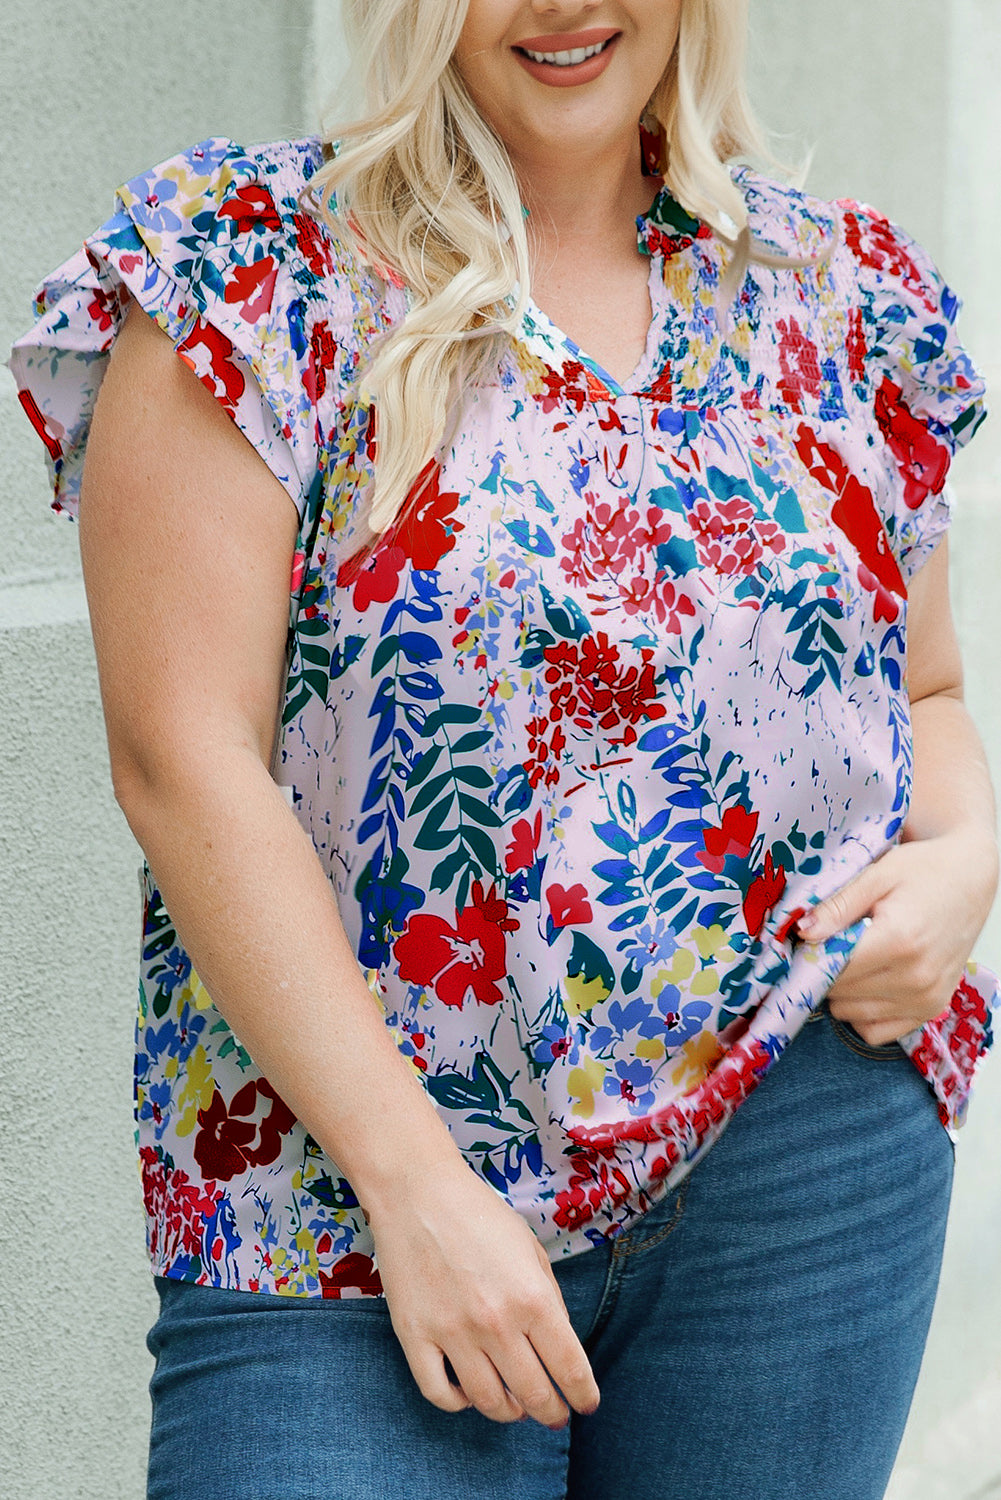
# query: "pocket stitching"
(875, 1052)
(620, 1252)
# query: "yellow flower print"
(679, 283)
(580, 994)
(199, 1086)
(288, 1277)
(711, 943)
(305, 1243)
(582, 1082)
(696, 1060)
(739, 337)
(702, 357)
(195, 993)
(681, 968)
(650, 1047)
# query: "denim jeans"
(757, 1336)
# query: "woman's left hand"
(927, 900)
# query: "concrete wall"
(94, 93)
(901, 105)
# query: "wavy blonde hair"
(422, 189)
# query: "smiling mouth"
(569, 59)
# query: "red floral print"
(799, 364)
(53, 442)
(764, 892)
(463, 960)
(855, 345)
(588, 685)
(225, 1143)
(521, 851)
(873, 241)
(569, 908)
(730, 537)
(428, 526)
(594, 1185)
(854, 512)
(733, 839)
(313, 244)
(100, 310)
(217, 368)
(660, 242)
(177, 1209)
(355, 1272)
(251, 207)
(375, 577)
(253, 286)
(568, 386)
(923, 460)
(322, 351)
(616, 542)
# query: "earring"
(653, 144)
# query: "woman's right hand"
(467, 1282)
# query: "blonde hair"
(423, 190)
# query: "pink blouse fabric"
(577, 742)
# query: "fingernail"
(792, 921)
(807, 922)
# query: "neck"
(586, 205)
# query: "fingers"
(525, 1389)
(508, 1366)
(511, 1377)
(557, 1346)
(427, 1365)
(907, 963)
(879, 1032)
(898, 962)
(853, 902)
(487, 1392)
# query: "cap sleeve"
(214, 246)
(926, 393)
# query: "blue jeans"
(757, 1336)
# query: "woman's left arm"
(929, 896)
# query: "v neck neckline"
(537, 322)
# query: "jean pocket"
(850, 1038)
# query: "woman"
(593, 775)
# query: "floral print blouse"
(576, 743)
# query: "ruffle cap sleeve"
(927, 395)
(213, 245)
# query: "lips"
(565, 59)
(567, 41)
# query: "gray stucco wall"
(901, 104)
(102, 90)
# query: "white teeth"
(566, 59)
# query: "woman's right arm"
(187, 543)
